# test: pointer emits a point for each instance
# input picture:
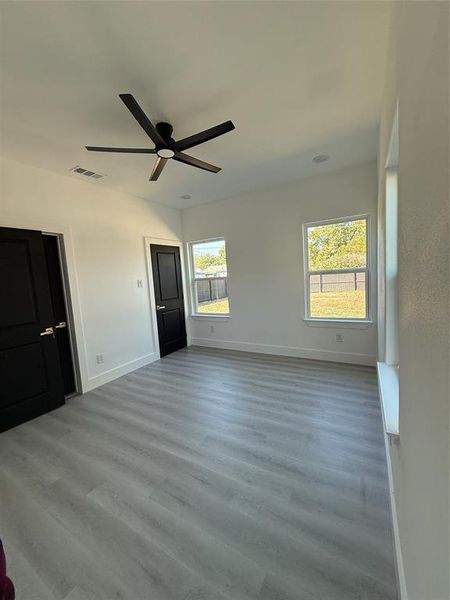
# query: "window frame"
(367, 270)
(193, 280)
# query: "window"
(209, 277)
(336, 265)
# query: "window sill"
(338, 323)
(210, 316)
(389, 395)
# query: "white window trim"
(193, 279)
(388, 371)
(326, 321)
(391, 267)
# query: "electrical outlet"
(139, 283)
(339, 337)
(211, 328)
(99, 358)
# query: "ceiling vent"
(85, 172)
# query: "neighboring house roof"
(215, 269)
(212, 271)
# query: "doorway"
(169, 298)
(36, 359)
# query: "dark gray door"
(168, 286)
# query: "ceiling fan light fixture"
(165, 153)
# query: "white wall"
(263, 233)
(418, 75)
(104, 237)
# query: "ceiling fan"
(165, 146)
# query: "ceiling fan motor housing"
(166, 150)
(165, 131)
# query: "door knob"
(158, 307)
(47, 331)
(61, 325)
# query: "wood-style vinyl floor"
(208, 475)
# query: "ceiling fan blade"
(160, 163)
(141, 118)
(195, 162)
(130, 150)
(204, 136)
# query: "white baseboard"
(116, 372)
(328, 355)
(400, 572)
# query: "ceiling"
(297, 79)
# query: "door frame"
(71, 293)
(151, 289)
(69, 312)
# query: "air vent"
(85, 172)
(320, 158)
